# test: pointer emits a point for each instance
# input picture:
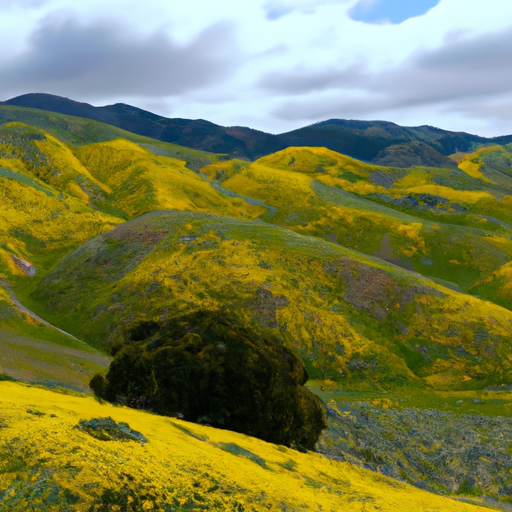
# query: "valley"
(390, 278)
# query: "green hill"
(354, 319)
(376, 141)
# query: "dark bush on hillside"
(209, 369)
(98, 384)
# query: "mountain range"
(378, 142)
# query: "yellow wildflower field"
(47, 463)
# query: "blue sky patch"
(390, 11)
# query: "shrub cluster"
(206, 368)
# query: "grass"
(48, 463)
(32, 351)
(33, 360)
(483, 402)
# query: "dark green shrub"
(209, 369)
(97, 385)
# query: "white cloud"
(312, 63)
(9, 4)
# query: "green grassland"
(35, 352)
(355, 319)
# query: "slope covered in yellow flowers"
(54, 197)
(352, 318)
(49, 463)
(448, 224)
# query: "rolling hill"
(52, 202)
(72, 453)
(373, 273)
(449, 224)
(353, 319)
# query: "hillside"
(360, 326)
(354, 319)
(365, 270)
(49, 189)
(376, 141)
(65, 453)
(448, 224)
(34, 351)
(453, 443)
(50, 203)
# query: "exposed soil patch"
(381, 179)
(25, 266)
(266, 306)
(371, 290)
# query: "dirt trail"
(22, 309)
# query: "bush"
(209, 369)
(98, 384)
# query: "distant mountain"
(379, 142)
(367, 140)
(196, 134)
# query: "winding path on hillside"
(22, 309)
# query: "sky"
(273, 65)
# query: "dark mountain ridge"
(379, 142)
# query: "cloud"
(276, 9)
(299, 81)
(390, 11)
(9, 4)
(464, 75)
(104, 59)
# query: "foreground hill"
(65, 453)
(376, 141)
(357, 320)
